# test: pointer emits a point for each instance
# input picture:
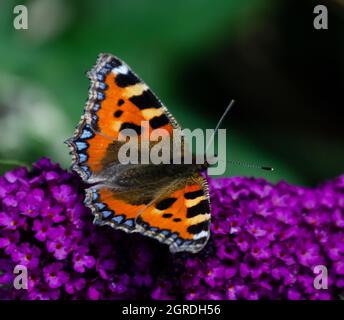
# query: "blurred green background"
(286, 77)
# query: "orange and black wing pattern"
(109, 209)
(117, 100)
(180, 219)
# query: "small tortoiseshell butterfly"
(168, 202)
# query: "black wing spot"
(130, 125)
(167, 215)
(177, 219)
(125, 80)
(120, 102)
(165, 204)
(199, 227)
(200, 208)
(145, 100)
(193, 194)
(139, 220)
(118, 113)
(159, 121)
(115, 62)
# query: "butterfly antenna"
(266, 168)
(218, 125)
(249, 165)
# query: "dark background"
(286, 76)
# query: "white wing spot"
(200, 235)
(123, 69)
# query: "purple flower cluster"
(266, 240)
(45, 227)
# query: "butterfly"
(167, 202)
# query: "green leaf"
(7, 164)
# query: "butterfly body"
(168, 202)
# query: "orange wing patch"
(109, 210)
(88, 150)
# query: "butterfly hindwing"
(180, 219)
(109, 209)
